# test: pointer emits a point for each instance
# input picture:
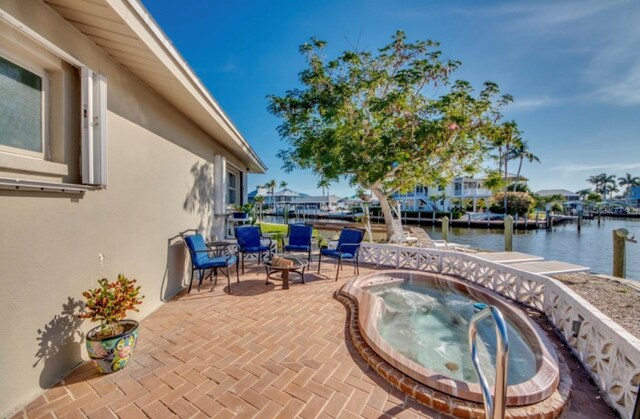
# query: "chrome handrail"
(494, 408)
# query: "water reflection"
(591, 247)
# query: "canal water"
(592, 247)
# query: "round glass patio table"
(272, 267)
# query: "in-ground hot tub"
(418, 322)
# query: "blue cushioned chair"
(203, 259)
(348, 248)
(250, 241)
(299, 239)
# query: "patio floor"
(260, 352)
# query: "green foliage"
(519, 203)
(386, 120)
(110, 302)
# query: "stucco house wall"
(53, 245)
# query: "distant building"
(566, 195)
(283, 196)
(316, 202)
(634, 197)
(435, 198)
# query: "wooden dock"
(531, 263)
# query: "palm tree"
(521, 151)
(258, 201)
(601, 183)
(271, 186)
(609, 185)
(584, 193)
(283, 184)
(628, 182)
(324, 184)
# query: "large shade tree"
(386, 120)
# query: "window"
(232, 188)
(22, 109)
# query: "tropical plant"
(271, 187)
(258, 203)
(628, 182)
(519, 203)
(494, 181)
(324, 184)
(110, 302)
(584, 193)
(520, 151)
(283, 184)
(387, 120)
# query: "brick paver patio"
(261, 352)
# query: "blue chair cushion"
(218, 262)
(333, 253)
(349, 241)
(300, 235)
(294, 247)
(254, 249)
(197, 249)
(248, 236)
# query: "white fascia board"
(142, 23)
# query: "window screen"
(20, 107)
(231, 189)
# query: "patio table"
(297, 265)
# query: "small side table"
(298, 266)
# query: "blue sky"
(572, 66)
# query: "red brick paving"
(260, 352)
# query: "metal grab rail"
(494, 408)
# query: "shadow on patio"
(279, 353)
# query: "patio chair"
(203, 260)
(348, 248)
(250, 241)
(299, 239)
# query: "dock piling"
(508, 233)
(620, 237)
(445, 228)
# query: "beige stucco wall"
(54, 246)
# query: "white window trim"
(44, 76)
(232, 170)
(97, 176)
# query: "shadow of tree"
(59, 343)
(199, 199)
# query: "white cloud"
(607, 33)
(533, 103)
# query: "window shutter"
(219, 185)
(94, 128)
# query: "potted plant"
(239, 212)
(111, 344)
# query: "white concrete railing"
(609, 353)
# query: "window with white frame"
(37, 116)
(232, 188)
(23, 118)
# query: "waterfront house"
(316, 202)
(110, 145)
(437, 198)
(281, 197)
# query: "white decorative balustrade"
(608, 352)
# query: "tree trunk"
(386, 211)
(519, 169)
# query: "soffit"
(126, 31)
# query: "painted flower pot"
(113, 353)
(240, 215)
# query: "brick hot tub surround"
(545, 394)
